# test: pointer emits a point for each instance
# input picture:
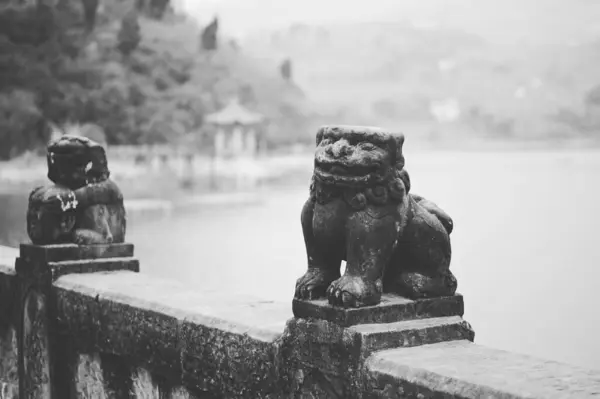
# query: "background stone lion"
(83, 205)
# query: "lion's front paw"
(354, 291)
(314, 283)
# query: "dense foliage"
(132, 67)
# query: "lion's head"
(75, 161)
(356, 156)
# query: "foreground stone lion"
(83, 206)
(360, 211)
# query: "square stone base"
(62, 259)
(393, 308)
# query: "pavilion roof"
(234, 112)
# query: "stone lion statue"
(83, 206)
(360, 211)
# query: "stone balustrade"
(78, 320)
(103, 330)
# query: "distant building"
(238, 132)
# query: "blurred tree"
(286, 69)
(153, 8)
(158, 8)
(129, 36)
(158, 91)
(21, 123)
(90, 8)
(27, 24)
(209, 36)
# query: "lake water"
(526, 245)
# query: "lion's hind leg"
(93, 227)
(420, 267)
(90, 237)
(415, 285)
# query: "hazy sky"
(501, 20)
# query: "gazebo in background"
(238, 132)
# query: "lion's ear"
(405, 179)
(320, 134)
(399, 138)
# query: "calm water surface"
(525, 246)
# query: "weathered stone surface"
(392, 308)
(111, 326)
(35, 367)
(117, 375)
(67, 252)
(89, 378)
(41, 262)
(376, 337)
(360, 211)
(461, 369)
(224, 346)
(8, 297)
(330, 357)
(83, 206)
(58, 269)
(322, 358)
(263, 320)
(45, 358)
(9, 363)
(217, 345)
(149, 338)
(228, 363)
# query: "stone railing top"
(465, 370)
(260, 319)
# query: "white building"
(238, 131)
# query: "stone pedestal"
(37, 267)
(327, 346)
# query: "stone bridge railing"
(81, 322)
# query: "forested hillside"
(446, 81)
(132, 67)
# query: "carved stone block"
(328, 345)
